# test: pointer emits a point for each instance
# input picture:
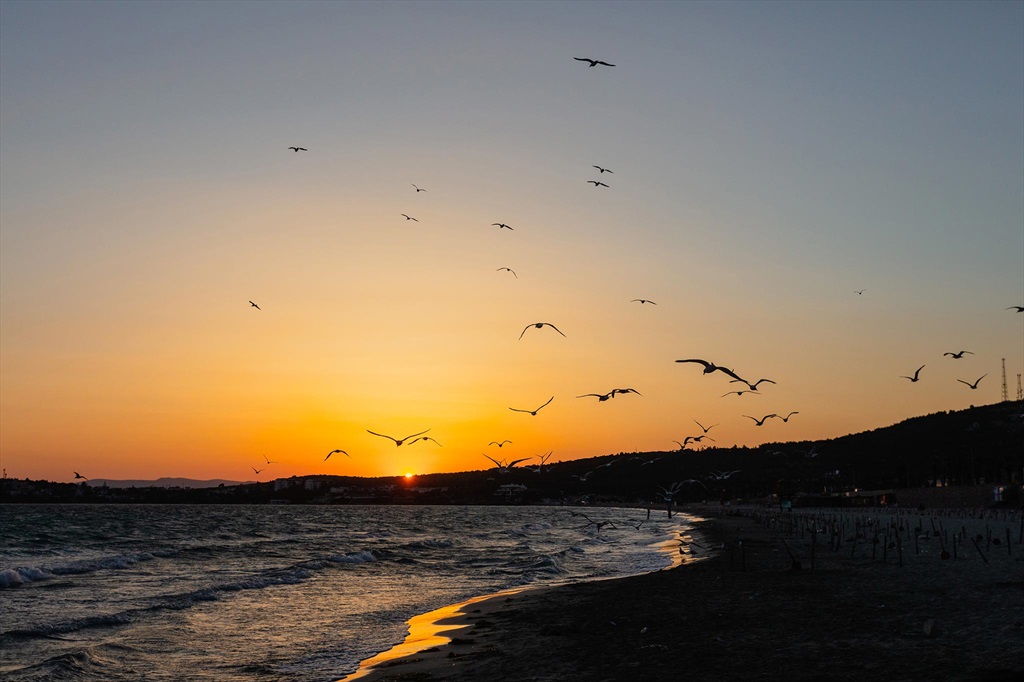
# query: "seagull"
(341, 451)
(494, 442)
(584, 476)
(593, 62)
(595, 183)
(704, 428)
(255, 306)
(538, 325)
(409, 217)
(740, 393)
(1018, 308)
(502, 225)
(753, 386)
(975, 384)
(397, 441)
(257, 470)
(298, 149)
(534, 412)
(916, 375)
(424, 438)
(957, 356)
(710, 367)
(602, 170)
(643, 300)
(78, 475)
(417, 188)
(268, 460)
(859, 292)
(721, 475)
(510, 270)
(696, 439)
(601, 397)
(682, 446)
(505, 468)
(786, 418)
(762, 420)
(599, 524)
(625, 390)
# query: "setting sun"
(408, 475)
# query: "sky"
(768, 161)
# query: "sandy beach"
(879, 602)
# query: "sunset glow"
(766, 168)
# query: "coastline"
(754, 610)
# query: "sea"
(276, 592)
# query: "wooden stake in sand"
(980, 553)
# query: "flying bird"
(255, 306)
(534, 412)
(593, 62)
(721, 475)
(501, 226)
(602, 170)
(975, 384)
(510, 270)
(601, 397)
(417, 188)
(538, 325)
(409, 217)
(595, 183)
(859, 292)
(696, 439)
(298, 149)
(1018, 308)
(710, 367)
(704, 428)
(504, 468)
(786, 418)
(643, 300)
(257, 470)
(336, 451)
(762, 420)
(916, 375)
(424, 438)
(78, 475)
(625, 390)
(268, 460)
(753, 386)
(397, 441)
(741, 392)
(957, 356)
(494, 442)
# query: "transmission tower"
(1006, 396)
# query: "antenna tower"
(1006, 395)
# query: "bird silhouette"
(1018, 308)
(494, 442)
(721, 475)
(682, 446)
(538, 325)
(298, 149)
(424, 438)
(595, 183)
(501, 226)
(601, 397)
(504, 468)
(409, 217)
(398, 442)
(643, 300)
(510, 270)
(753, 386)
(534, 412)
(859, 292)
(268, 460)
(255, 306)
(786, 418)
(625, 390)
(917, 375)
(602, 170)
(418, 189)
(336, 451)
(593, 62)
(975, 384)
(957, 356)
(78, 475)
(741, 392)
(710, 367)
(762, 420)
(257, 470)
(696, 439)
(704, 428)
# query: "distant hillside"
(164, 483)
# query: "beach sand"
(746, 613)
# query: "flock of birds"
(751, 387)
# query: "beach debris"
(931, 628)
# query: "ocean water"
(154, 592)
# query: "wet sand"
(754, 609)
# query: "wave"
(14, 577)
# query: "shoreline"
(755, 610)
(427, 648)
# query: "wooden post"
(980, 553)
